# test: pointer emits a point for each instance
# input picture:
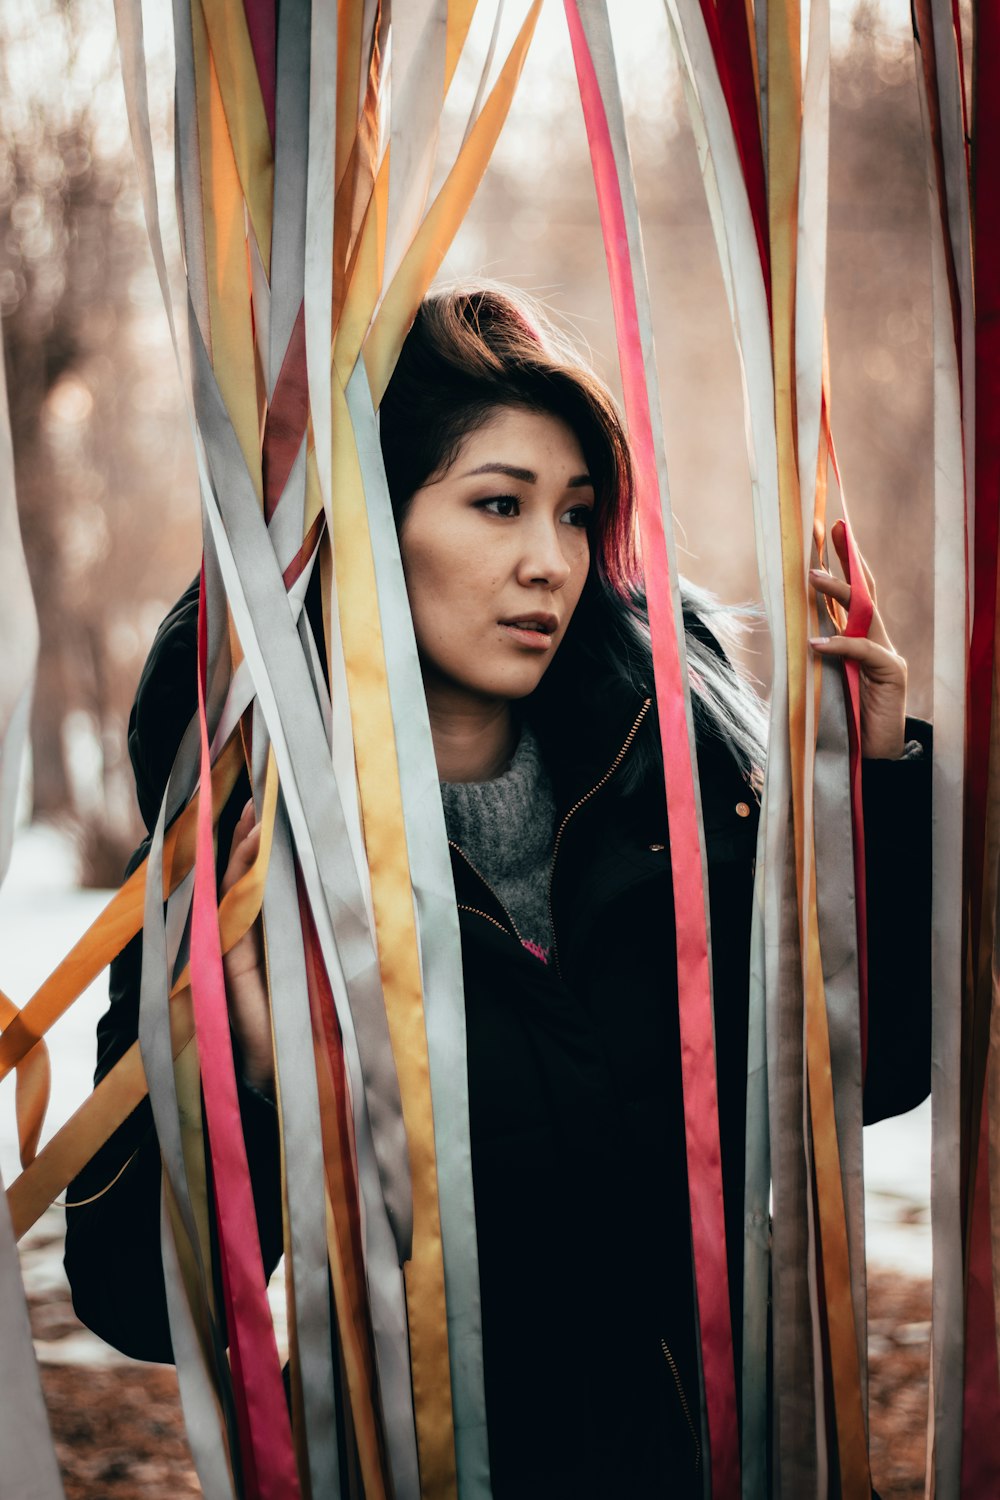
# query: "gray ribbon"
(382, 1255)
(303, 1150)
(15, 737)
(795, 1460)
(282, 683)
(837, 898)
(597, 27)
(382, 1250)
(281, 676)
(419, 36)
(187, 164)
(440, 954)
(28, 1468)
(756, 1207)
(950, 636)
(156, 1050)
(291, 156)
(776, 922)
(318, 251)
(18, 635)
(198, 1397)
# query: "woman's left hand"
(883, 670)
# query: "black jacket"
(575, 1097)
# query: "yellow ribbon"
(31, 1091)
(117, 924)
(430, 245)
(784, 126)
(124, 1087)
(200, 1309)
(238, 87)
(234, 355)
(350, 1301)
(392, 900)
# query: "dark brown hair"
(470, 352)
(476, 349)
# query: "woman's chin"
(513, 684)
(502, 685)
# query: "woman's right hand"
(244, 968)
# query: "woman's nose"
(545, 559)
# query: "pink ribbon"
(701, 1114)
(262, 1413)
(860, 613)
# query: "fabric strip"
(950, 605)
(303, 1151)
(324, 850)
(440, 954)
(30, 1470)
(593, 55)
(772, 1089)
(392, 901)
(199, 1399)
(251, 1332)
(19, 633)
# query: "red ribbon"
(287, 417)
(728, 30)
(262, 24)
(262, 1414)
(981, 1414)
(859, 619)
(980, 1427)
(701, 1114)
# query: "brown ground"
(899, 1313)
(118, 1429)
(119, 1433)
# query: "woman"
(511, 480)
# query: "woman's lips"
(535, 638)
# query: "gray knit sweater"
(505, 827)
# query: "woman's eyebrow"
(526, 476)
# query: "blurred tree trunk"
(51, 786)
(95, 441)
(52, 791)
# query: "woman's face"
(496, 552)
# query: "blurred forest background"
(105, 472)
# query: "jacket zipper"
(576, 808)
(672, 1363)
(555, 847)
(458, 848)
(486, 917)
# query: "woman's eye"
(500, 505)
(580, 515)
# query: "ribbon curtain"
(315, 211)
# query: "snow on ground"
(42, 914)
(897, 1192)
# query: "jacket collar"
(579, 752)
(581, 745)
